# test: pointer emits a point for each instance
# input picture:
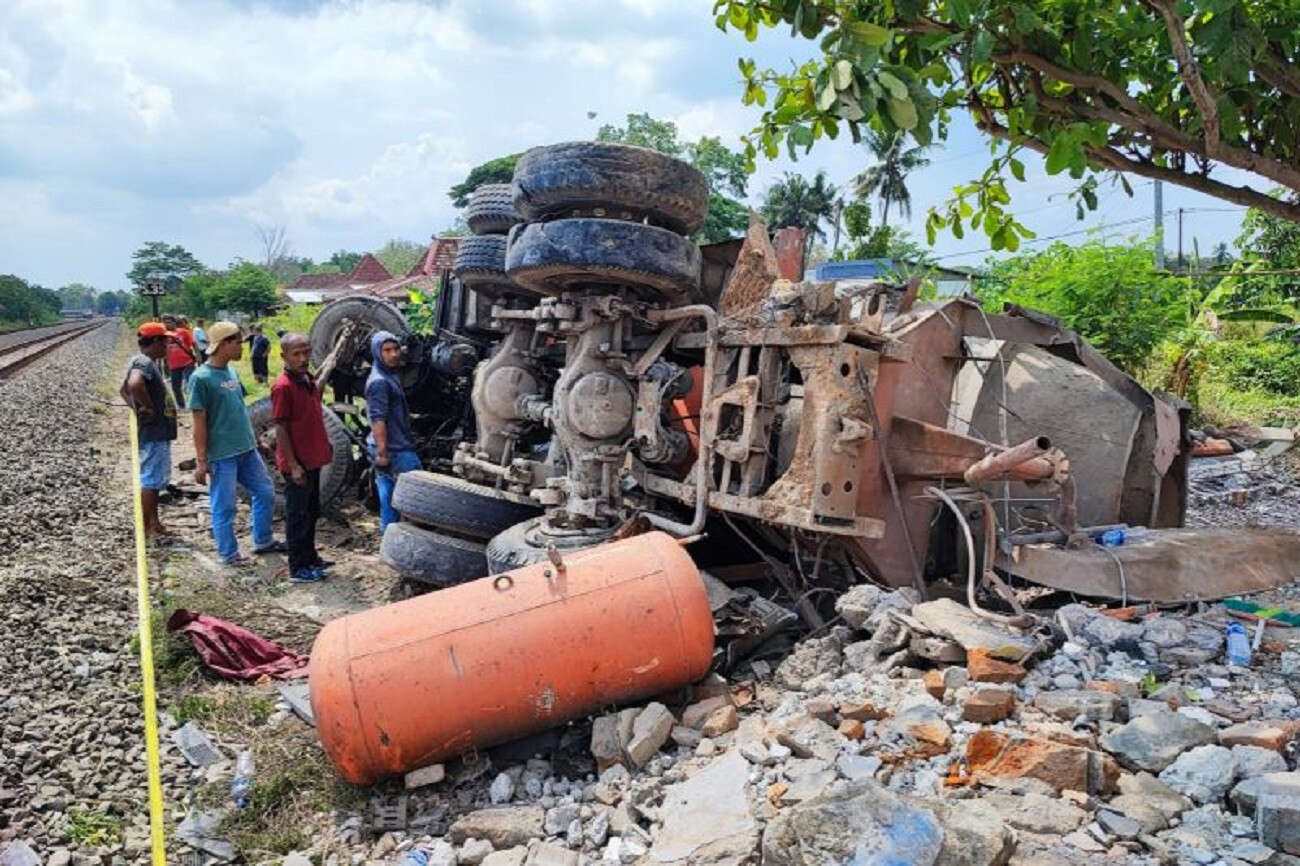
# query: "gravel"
(70, 722)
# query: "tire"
(372, 314)
(491, 210)
(455, 505)
(522, 545)
(431, 557)
(334, 476)
(481, 266)
(614, 180)
(553, 257)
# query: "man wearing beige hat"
(226, 450)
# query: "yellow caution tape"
(146, 658)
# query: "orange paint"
(422, 680)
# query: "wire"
(1040, 240)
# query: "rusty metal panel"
(1166, 565)
(752, 276)
(789, 253)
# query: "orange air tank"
(413, 683)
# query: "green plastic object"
(1254, 610)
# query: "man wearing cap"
(180, 356)
(226, 450)
(390, 443)
(144, 390)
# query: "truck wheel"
(481, 266)
(431, 557)
(523, 544)
(491, 210)
(455, 505)
(611, 180)
(334, 475)
(370, 314)
(553, 257)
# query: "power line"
(1100, 228)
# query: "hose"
(970, 562)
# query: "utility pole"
(1180, 238)
(1160, 226)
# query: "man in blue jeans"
(391, 446)
(224, 447)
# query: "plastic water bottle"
(1238, 645)
(242, 784)
(1111, 538)
(414, 857)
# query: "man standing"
(200, 341)
(302, 448)
(224, 447)
(180, 356)
(261, 351)
(391, 446)
(144, 390)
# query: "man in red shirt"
(181, 358)
(302, 448)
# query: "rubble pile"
(1243, 489)
(912, 732)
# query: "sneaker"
(240, 560)
(306, 575)
(273, 547)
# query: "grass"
(1222, 405)
(297, 317)
(93, 828)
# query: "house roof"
(860, 269)
(439, 256)
(368, 270)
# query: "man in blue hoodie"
(391, 446)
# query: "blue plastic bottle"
(1111, 538)
(242, 785)
(414, 857)
(1238, 645)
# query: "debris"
(987, 706)
(1036, 813)
(984, 668)
(650, 730)
(234, 652)
(1277, 812)
(195, 745)
(298, 696)
(707, 818)
(860, 823)
(502, 789)
(1070, 704)
(973, 832)
(1204, 773)
(1155, 740)
(1275, 734)
(430, 775)
(503, 826)
(994, 755)
(948, 618)
(199, 829)
(17, 853)
(388, 814)
(720, 721)
(547, 854)
(1250, 610)
(695, 715)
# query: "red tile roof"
(368, 270)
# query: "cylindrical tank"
(413, 683)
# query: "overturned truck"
(647, 395)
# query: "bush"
(1263, 365)
(1110, 294)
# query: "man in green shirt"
(225, 450)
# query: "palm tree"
(887, 179)
(794, 201)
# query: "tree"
(277, 253)
(112, 303)
(725, 170)
(499, 170)
(793, 201)
(24, 303)
(1268, 243)
(246, 287)
(77, 296)
(399, 256)
(1108, 293)
(1165, 89)
(887, 179)
(161, 257)
(343, 261)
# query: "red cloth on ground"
(233, 651)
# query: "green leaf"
(982, 48)
(801, 136)
(1060, 153)
(1128, 189)
(960, 12)
(903, 113)
(739, 16)
(891, 82)
(865, 31)
(849, 108)
(1017, 169)
(1026, 21)
(842, 74)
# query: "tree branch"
(1191, 74)
(1242, 195)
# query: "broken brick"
(862, 712)
(821, 709)
(1272, 734)
(934, 684)
(992, 754)
(988, 705)
(852, 729)
(984, 668)
(720, 721)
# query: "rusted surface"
(752, 276)
(1166, 565)
(1032, 460)
(789, 243)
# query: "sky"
(346, 121)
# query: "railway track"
(20, 348)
